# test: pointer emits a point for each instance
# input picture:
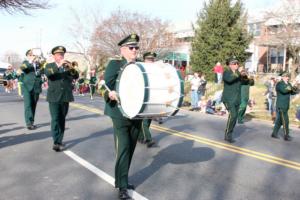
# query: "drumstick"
(102, 82)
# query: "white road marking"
(109, 179)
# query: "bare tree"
(22, 6)
(82, 30)
(154, 33)
(283, 26)
(12, 58)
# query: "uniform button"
(61, 88)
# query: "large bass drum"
(149, 90)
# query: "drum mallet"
(102, 82)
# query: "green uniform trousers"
(30, 102)
(145, 134)
(282, 118)
(233, 114)
(125, 134)
(92, 89)
(242, 110)
(58, 112)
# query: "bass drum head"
(131, 90)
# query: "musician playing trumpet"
(247, 81)
(60, 74)
(9, 76)
(231, 96)
(32, 87)
(284, 89)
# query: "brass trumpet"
(67, 65)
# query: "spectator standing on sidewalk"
(195, 83)
(218, 70)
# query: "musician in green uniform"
(284, 90)
(93, 82)
(145, 135)
(60, 74)
(245, 89)
(8, 77)
(81, 84)
(32, 86)
(231, 96)
(126, 130)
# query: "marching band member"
(145, 135)
(284, 89)
(32, 87)
(245, 87)
(126, 131)
(93, 82)
(231, 96)
(81, 84)
(60, 74)
(9, 76)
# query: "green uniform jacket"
(9, 75)
(60, 83)
(93, 80)
(232, 87)
(284, 92)
(245, 89)
(31, 79)
(111, 74)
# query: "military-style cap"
(58, 49)
(149, 55)
(131, 39)
(285, 74)
(233, 60)
(28, 52)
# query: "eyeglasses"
(135, 47)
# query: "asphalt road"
(190, 161)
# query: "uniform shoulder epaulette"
(226, 68)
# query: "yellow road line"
(268, 158)
(224, 144)
(232, 148)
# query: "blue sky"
(51, 27)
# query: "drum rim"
(181, 93)
(146, 89)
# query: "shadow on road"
(11, 129)
(71, 143)
(7, 124)
(180, 153)
(18, 139)
(71, 119)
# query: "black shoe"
(287, 138)
(142, 141)
(62, 144)
(230, 140)
(57, 148)
(275, 136)
(123, 194)
(160, 121)
(150, 143)
(130, 186)
(31, 127)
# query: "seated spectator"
(210, 108)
